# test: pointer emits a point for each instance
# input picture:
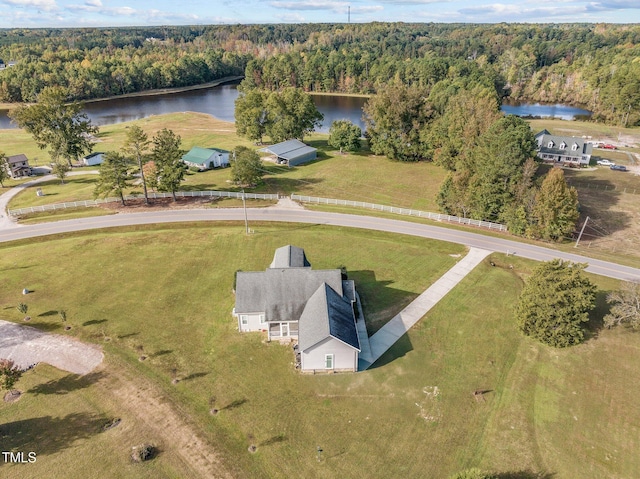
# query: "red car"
(607, 146)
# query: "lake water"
(219, 102)
(563, 112)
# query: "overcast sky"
(79, 13)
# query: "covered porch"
(283, 330)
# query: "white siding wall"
(344, 357)
(253, 322)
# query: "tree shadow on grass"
(595, 325)
(195, 375)
(67, 384)
(273, 440)
(48, 313)
(525, 475)
(235, 404)
(48, 435)
(162, 352)
(47, 327)
(94, 321)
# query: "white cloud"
(291, 18)
(93, 3)
(310, 5)
(41, 4)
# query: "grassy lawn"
(66, 214)
(166, 291)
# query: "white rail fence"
(400, 211)
(179, 194)
(258, 196)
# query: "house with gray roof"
(18, 166)
(292, 301)
(291, 152)
(206, 158)
(563, 150)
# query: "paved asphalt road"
(318, 217)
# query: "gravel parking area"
(27, 346)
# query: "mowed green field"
(360, 176)
(165, 292)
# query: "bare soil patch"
(27, 346)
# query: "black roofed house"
(564, 150)
(292, 301)
(292, 152)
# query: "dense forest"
(594, 65)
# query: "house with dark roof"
(563, 150)
(292, 301)
(291, 152)
(18, 166)
(206, 158)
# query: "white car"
(606, 163)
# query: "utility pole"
(244, 206)
(581, 231)
(349, 14)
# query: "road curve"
(278, 214)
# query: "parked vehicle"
(608, 146)
(606, 163)
(618, 167)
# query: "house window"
(244, 319)
(551, 144)
(328, 361)
(263, 320)
(574, 147)
(563, 145)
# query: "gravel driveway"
(27, 346)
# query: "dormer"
(550, 145)
(563, 145)
(574, 147)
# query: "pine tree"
(554, 303)
(167, 157)
(114, 176)
(556, 208)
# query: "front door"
(284, 330)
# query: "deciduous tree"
(10, 373)
(345, 135)
(4, 169)
(251, 114)
(57, 125)
(554, 303)
(291, 114)
(246, 166)
(395, 118)
(625, 307)
(114, 176)
(167, 156)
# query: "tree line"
(591, 65)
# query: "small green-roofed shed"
(206, 158)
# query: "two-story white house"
(564, 150)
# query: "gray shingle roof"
(326, 314)
(544, 140)
(289, 257)
(283, 292)
(17, 158)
